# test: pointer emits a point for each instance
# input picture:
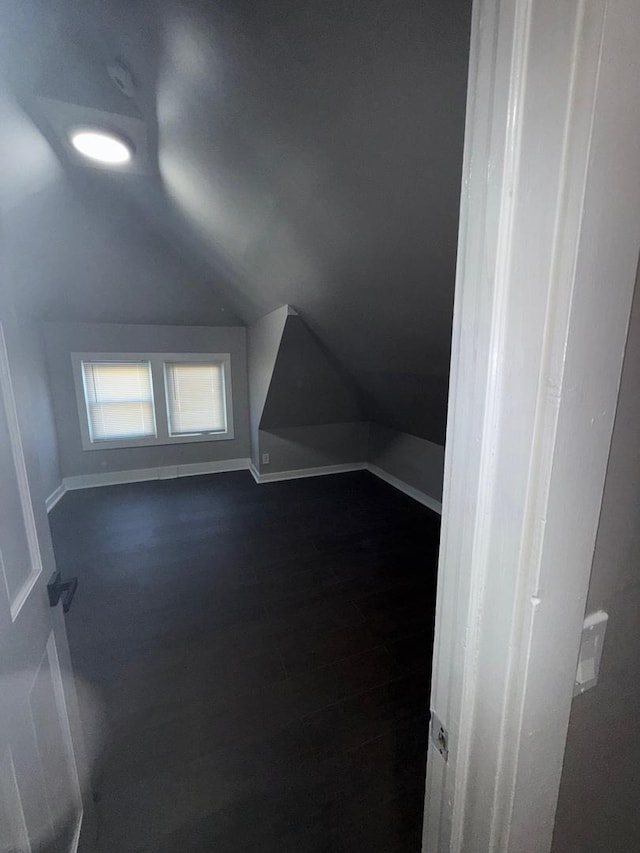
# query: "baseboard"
(411, 491)
(165, 472)
(168, 472)
(416, 494)
(300, 473)
(55, 496)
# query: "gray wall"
(65, 338)
(293, 448)
(599, 805)
(304, 410)
(307, 387)
(415, 461)
(263, 342)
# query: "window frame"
(83, 389)
(160, 402)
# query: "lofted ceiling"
(307, 153)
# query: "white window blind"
(195, 397)
(119, 400)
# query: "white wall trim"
(75, 843)
(166, 472)
(547, 258)
(301, 473)
(55, 496)
(139, 475)
(411, 491)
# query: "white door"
(40, 799)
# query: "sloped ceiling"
(71, 259)
(307, 153)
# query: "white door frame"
(548, 249)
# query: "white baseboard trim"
(416, 494)
(300, 473)
(55, 496)
(164, 472)
(169, 472)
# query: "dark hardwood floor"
(261, 655)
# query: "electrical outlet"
(265, 459)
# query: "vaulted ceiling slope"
(307, 153)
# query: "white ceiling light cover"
(101, 146)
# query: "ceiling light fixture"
(101, 146)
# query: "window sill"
(153, 441)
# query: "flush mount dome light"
(101, 146)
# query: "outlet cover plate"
(593, 631)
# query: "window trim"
(157, 362)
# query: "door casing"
(547, 257)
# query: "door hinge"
(439, 736)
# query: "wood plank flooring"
(261, 656)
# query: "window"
(195, 397)
(119, 400)
(128, 399)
